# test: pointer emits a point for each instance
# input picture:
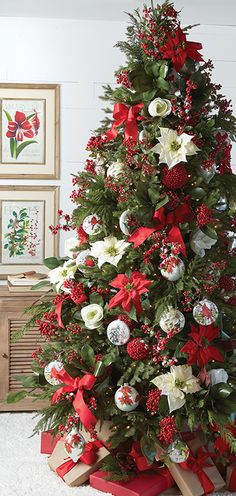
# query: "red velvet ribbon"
(179, 215)
(196, 464)
(58, 310)
(77, 385)
(232, 480)
(88, 457)
(129, 115)
(140, 460)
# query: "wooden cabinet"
(15, 356)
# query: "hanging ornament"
(172, 268)
(205, 312)
(178, 451)
(81, 259)
(92, 224)
(126, 398)
(175, 178)
(118, 332)
(137, 349)
(222, 204)
(172, 320)
(48, 369)
(207, 173)
(74, 444)
(124, 222)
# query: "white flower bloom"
(110, 250)
(92, 315)
(199, 242)
(116, 169)
(160, 107)
(176, 384)
(174, 148)
(71, 247)
(218, 375)
(63, 273)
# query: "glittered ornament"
(207, 173)
(205, 312)
(92, 224)
(124, 222)
(175, 178)
(58, 366)
(172, 268)
(178, 451)
(227, 283)
(126, 398)
(172, 320)
(137, 349)
(74, 444)
(118, 332)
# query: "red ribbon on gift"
(179, 215)
(196, 464)
(128, 115)
(140, 460)
(88, 457)
(77, 385)
(232, 481)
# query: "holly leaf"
(51, 262)
(87, 355)
(96, 298)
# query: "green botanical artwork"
(16, 237)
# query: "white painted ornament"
(205, 312)
(124, 222)
(118, 332)
(172, 268)
(172, 320)
(207, 173)
(178, 451)
(222, 204)
(81, 259)
(74, 444)
(92, 224)
(48, 370)
(126, 398)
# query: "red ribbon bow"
(179, 215)
(196, 464)
(88, 457)
(77, 385)
(140, 460)
(129, 115)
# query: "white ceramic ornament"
(207, 173)
(178, 451)
(74, 444)
(118, 332)
(48, 369)
(81, 258)
(222, 204)
(92, 224)
(126, 398)
(172, 320)
(205, 312)
(173, 269)
(123, 222)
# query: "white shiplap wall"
(80, 56)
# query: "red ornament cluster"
(175, 178)
(137, 349)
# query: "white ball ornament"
(172, 268)
(81, 259)
(92, 224)
(118, 332)
(205, 312)
(48, 370)
(172, 320)
(126, 398)
(124, 222)
(207, 173)
(178, 451)
(74, 444)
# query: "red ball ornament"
(175, 178)
(227, 283)
(137, 349)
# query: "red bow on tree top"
(178, 49)
(129, 115)
(179, 215)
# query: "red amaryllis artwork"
(198, 348)
(21, 130)
(131, 288)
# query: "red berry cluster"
(167, 430)
(154, 396)
(65, 226)
(76, 291)
(123, 78)
(227, 283)
(204, 215)
(96, 142)
(48, 325)
(90, 166)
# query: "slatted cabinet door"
(15, 356)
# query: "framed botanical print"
(29, 142)
(25, 216)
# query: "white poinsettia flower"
(217, 375)
(173, 147)
(176, 384)
(92, 315)
(110, 250)
(116, 169)
(160, 107)
(71, 247)
(199, 242)
(63, 273)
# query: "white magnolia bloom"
(92, 315)
(63, 273)
(110, 250)
(71, 247)
(160, 107)
(218, 375)
(174, 148)
(176, 384)
(116, 169)
(199, 242)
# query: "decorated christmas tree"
(139, 319)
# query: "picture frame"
(29, 127)
(26, 212)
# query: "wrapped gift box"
(189, 482)
(48, 442)
(231, 477)
(149, 483)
